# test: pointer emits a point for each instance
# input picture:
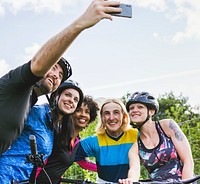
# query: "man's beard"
(44, 87)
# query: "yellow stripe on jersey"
(130, 136)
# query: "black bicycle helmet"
(145, 98)
(66, 85)
(67, 69)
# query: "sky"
(158, 50)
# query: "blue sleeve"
(88, 147)
(13, 162)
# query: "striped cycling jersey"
(111, 154)
(162, 162)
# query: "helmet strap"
(48, 99)
(147, 119)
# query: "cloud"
(157, 5)
(4, 67)
(29, 52)
(176, 11)
(191, 10)
(38, 6)
(2, 11)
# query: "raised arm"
(182, 146)
(53, 49)
(134, 166)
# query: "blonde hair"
(100, 129)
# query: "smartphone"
(126, 11)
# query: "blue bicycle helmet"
(67, 69)
(145, 98)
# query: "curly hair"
(92, 105)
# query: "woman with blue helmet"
(162, 146)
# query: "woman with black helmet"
(162, 146)
(61, 158)
(45, 122)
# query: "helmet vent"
(151, 98)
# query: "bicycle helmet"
(67, 69)
(145, 98)
(66, 85)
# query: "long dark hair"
(63, 131)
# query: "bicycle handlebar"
(187, 181)
(79, 181)
(76, 181)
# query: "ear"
(151, 112)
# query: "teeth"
(112, 123)
(82, 120)
(51, 81)
(68, 105)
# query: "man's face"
(50, 82)
(112, 117)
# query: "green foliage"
(76, 172)
(125, 97)
(176, 108)
(89, 131)
(143, 172)
(192, 131)
(173, 107)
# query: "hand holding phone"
(126, 11)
